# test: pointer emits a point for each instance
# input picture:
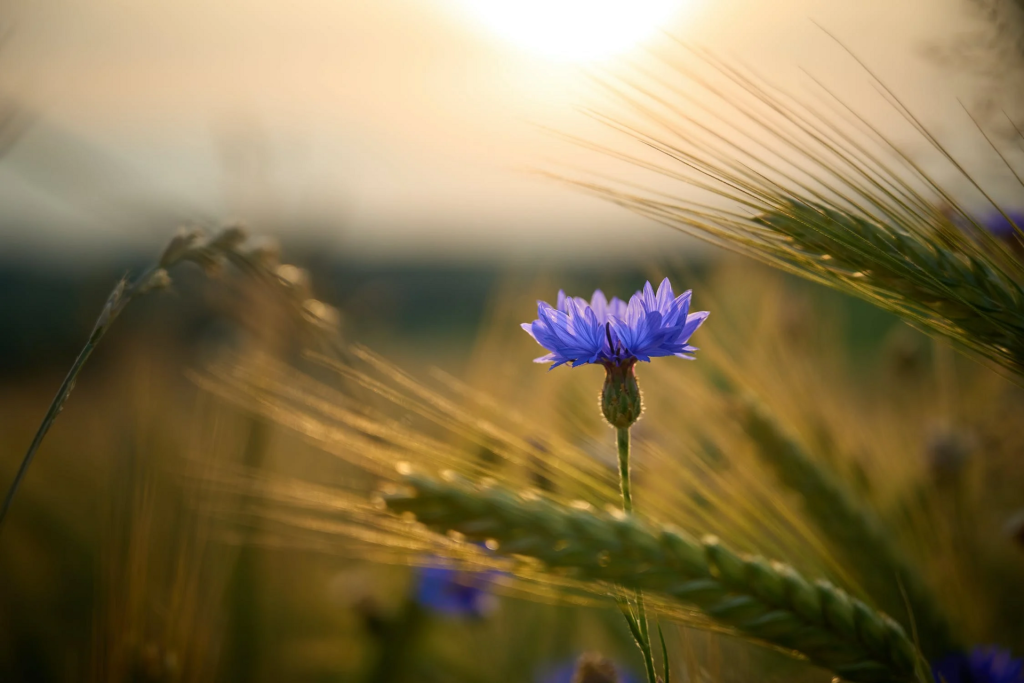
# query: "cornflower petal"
(665, 297)
(586, 329)
(599, 304)
(686, 353)
(693, 321)
(543, 331)
(635, 309)
(616, 308)
(641, 338)
(650, 300)
(678, 308)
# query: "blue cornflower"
(446, 590)
(617, 335)
(1002, 226)
(613, 332)
(984, 664)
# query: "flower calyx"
(620, 396)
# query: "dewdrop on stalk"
(617, 335)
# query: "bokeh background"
(397, 151)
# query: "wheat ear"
(212, 253)
(767, 601)
(949, 285)
(888, 578)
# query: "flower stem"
(641, 633)
(51, 414)
(622, 440)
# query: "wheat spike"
(767, 601)
(957, 292)
(854, 532)
(212, 253)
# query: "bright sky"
(385, 128)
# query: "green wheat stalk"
(886, 575)
(767, 601)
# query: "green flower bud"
(620, 397)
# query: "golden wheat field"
(450, 341)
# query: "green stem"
(645, 645)
(244, 647)
(396, 640)
(185, 246)
(643, 639)
(622, 441)
(116, 301)
(51, 414)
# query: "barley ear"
(852, 530)
(951, 287)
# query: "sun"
(575, 30)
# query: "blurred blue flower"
(984, 664)
(999, 224)
(592, 668)
(612, 332)
(1002, 226)
(446, 590)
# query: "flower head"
(613, 332)
(984, 664)
(446, 590)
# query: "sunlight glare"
(574, 30)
